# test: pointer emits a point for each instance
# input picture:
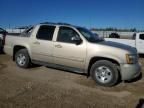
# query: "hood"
(118, 45)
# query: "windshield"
(91, 37)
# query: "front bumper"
(130, 71)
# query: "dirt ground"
(42, 87)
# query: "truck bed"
(12, 40)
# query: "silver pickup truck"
(74, 49)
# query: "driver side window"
(65, 35)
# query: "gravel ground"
(42, 87)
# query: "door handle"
(37, 43)
(58, 46)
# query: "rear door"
(66, 52)
(42, 45)
(140, 43)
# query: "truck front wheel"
(104, 73)
(22, 58)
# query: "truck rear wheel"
(104, 73)
(22, 58)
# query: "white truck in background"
(137, 41)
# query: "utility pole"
(9, 26)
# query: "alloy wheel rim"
(103, 74)
(21, 59)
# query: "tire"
(22, 58)
(105, 73)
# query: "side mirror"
(76, 40)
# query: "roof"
(57, 24)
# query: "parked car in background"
(114, 35)
(137, 41)
(74, 49)
(2, 38)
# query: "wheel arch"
(16, 48)
(95, 59)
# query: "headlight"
(131, 58)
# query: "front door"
(66, 52)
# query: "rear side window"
(27, 32)
(142, 36)
(46, 32)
